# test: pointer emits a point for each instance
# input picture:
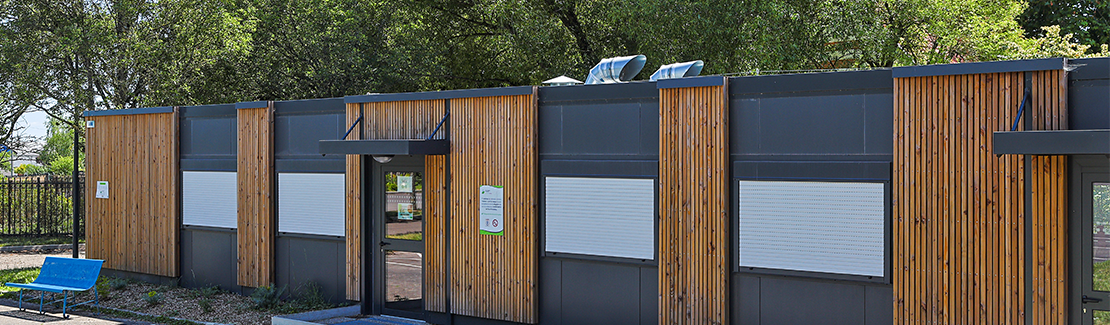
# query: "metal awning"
(1064, 142)
(385, 147)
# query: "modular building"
(957, 194)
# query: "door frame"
(1084, 171)
(373, 217)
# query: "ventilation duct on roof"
(678, 70)
(614, 70)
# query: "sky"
(34, 124)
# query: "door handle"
(384, 244)
(1091, 300)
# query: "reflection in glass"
(404, 285)
(404, 206)
(1101, 237)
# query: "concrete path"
(12, 315)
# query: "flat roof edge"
(130, 111)
(443, 94)
(979, 68)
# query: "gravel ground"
(226, 308)
(19, 260)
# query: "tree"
(1087, 20)
(59, 143)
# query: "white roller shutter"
(600, 216)
(311, 203)
(829, 227)
(209, 199)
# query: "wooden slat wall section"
(256, 178)
(1049, 203)
(493, 142)
(435, 234)
(353, 212)
(693, 205)
(136, 228)
(403, 120)
(958, 210)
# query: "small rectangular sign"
(90, 124)
(491, 201)
(404, 211)
(404, 184)
(101, 189)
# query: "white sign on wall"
(102, 189)
(491, 202)
(404, 184)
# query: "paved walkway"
(21, 260)
(12, 315)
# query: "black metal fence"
(39, 205)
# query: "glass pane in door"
(404, 280)
(404, 206)
(1101, 236)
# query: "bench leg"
(96, 298)
(43, 294)
(20, 299)
(64, 297)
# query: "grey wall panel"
(879, 131)
(880, 301)
(208, 258)
(550, 128)
(1087, 104)
(649, 295)
(209, 199)
(209, 165)
(828, 227)
(333, 164)
(840, 82)
(303, 262)
(600, 216)
(812, 170)
(813, 124)
(788, 301)
(600, 293)
(311, 203)
(745, 300)
(213, 137)
(631, 168)
(300, 135)
(602, 128)
(599, 120)
(550, 291)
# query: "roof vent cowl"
(678, 70)
(615, 70)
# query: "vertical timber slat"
(256, 179)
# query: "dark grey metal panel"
(879, 128)
(604, 92)
(1093, 68)
(979, 67)
(214, 137)
(447, 94)
(221, 110)
(132, 111)
(706, 81)
(247, 105)
(880, 302)
(213, 165)
(329, 165)
(745, 299)
(208, 257)
(629, 168)
(322, 105)
(813, 124)
(301, 260)
(1089, 94)
(586, 286)
(649, 296)
(812, 170)
(1067, 142)
(300, 135)
(838, 82)
(551, 309)
(790, 301)
(606, 127)
(385, 147)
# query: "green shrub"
(205, 305)
(29, 169)
(117, 283)
(152, 298)
(266, 297)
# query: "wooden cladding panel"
(136, 228)
(959, 211)
(435, 233)
(1049, 203)
(693, 206)
(353, 212)
(256, 173)
(493, 142)
(403, 120)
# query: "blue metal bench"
(63, 275)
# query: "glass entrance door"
(1095, 250)
(402, 240)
